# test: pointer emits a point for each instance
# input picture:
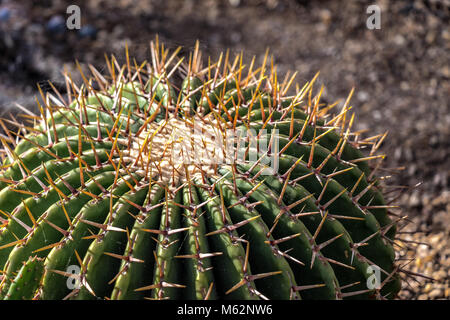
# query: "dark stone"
(56, 25)
(88, 31)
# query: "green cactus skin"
(25, 284)
(97, 184)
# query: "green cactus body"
(218, 186)
(26, 282)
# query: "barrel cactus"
(174, 179)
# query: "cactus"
(171, 179)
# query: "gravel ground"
(428, 253)
(401, 75)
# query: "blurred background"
(400, 72)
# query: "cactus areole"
(173, 179)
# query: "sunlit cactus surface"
(187, 178)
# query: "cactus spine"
(135, 183)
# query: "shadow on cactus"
(176, 180)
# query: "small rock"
(5, 14)
(440, 275)
(88, 31)
(435, 293)
(399, 40)
(363, 96)
(271, 4)
(435, 239)
(446, 35)
(414, 201)
(430, 37)
(423, 297)
(56, 25)
(325, 16)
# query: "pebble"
(88, 31)
(435, 293)
(431, 260)
(440, 275)
(5, 14)
(423, 297)
(56, 25)
(399, 40)
(362, 96)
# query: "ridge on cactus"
(172, 179)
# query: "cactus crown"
(170, 179)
